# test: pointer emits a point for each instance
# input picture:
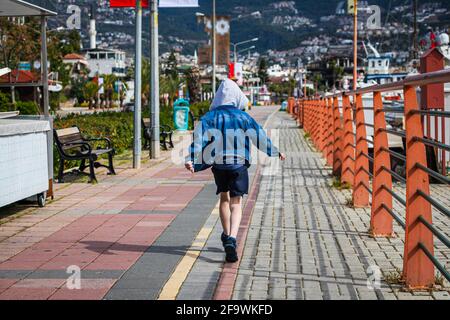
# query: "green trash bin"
(181, 114)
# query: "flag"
(231, 71)
(126, 3)
(177, 3)
(162, 3)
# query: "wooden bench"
(166, 134)
(72, 145)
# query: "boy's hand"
(282, 156)
(189, 166)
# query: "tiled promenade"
(127, 234)
(154, 234)
(305, 242)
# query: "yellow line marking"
(173, 285)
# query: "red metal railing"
(338, 128)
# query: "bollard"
(418, 270)
(381, 220)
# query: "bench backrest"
(146, 123)
(68, 135)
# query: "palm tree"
(145, 81)
(90, 93)
(170, 86)
(109, 82)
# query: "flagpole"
(138, 88)
(154, 85)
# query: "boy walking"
(222, 141)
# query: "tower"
(92, 29)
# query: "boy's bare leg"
(236, 215)
(225, 212)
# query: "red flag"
(231, 74)
(126, 3)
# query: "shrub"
(200, 108)
(27, 107)
(5, 102)
(117, 126)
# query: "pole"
(235, 54)
(355, 46)
(138, 88)
(415, 44)
(46, 102)
(154, 85)
(44, 63)
(304, 85)
(214, 48)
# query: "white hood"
(229, 94)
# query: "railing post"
(307, 107)
(302, 113)
(290, 105)
(325, 128)
(322, 126)
(337, 142)
(381, 220)
(316, 123)
(418, 270)
(348, 165)
(361, 182)
(330, 133)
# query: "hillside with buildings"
(280, 25)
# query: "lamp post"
(235, 45)
(138, 88)
(214, 49)
(355, 45)
(246, 49)
(154, 85)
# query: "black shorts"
(233, 181)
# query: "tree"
(170, 86)
(172, 66)
(18, 41)
(193, 84)
(90, 92)
(337, 72)
(109, 82)
(146, 71)
(262, 71)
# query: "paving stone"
(302, 231)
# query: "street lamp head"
(199, 14)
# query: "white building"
(106, 61)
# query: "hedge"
(118, 126)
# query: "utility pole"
(154, 85)
(355, 45)
(138, 88)
(214, 49)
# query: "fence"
(339, 128)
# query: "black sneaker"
(224, 238)
(230, 250)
